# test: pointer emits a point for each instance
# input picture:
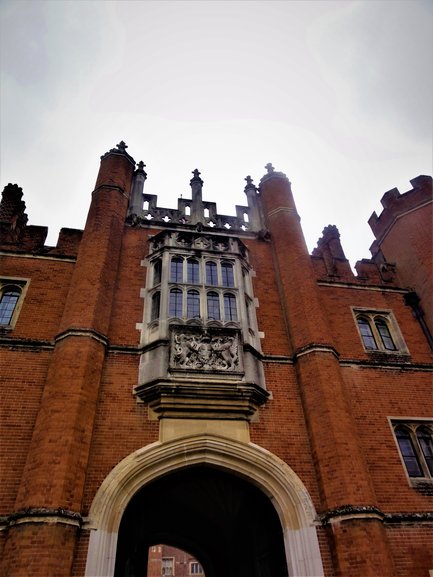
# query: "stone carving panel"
(205, 350)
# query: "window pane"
(175, 303)
(211, 273)
(157, 273)
(155, 306)
(213, 306)
(227, 274)
(193, 271)
(230, 312)
(408, 452)
(196, 568)
(425, 442)
(385, 335)
(193, 305)
(167, 566)
(8, 303)
(176, 272)
(366, 333)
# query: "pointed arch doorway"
(210, 469)
(229, 525)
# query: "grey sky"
(338, 95)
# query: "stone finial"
(250, 185)
(196, 177)
(120, 149)
(271, 172)
(140, 169)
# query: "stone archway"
(249, 462)
(226, 522)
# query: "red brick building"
(181, 377)
(166, 561)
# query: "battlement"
(395, 205)
(17, 235)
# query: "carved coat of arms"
(205, 352)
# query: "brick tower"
(179, 378)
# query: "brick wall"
(69, 414)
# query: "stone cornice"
(42, 515)
(36, 255)
(350, 512)
(398, 518)
(315, 348)
(357, 286)
(82, 332)
(36, 344)
(393, 365)
(360, 512)
(20, 343)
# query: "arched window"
(425, 441)
(8, 301)
(156, 300)
(211, 273)
(230, 310)
(193, 304)
(366, 333)
(213, 306)
(385, 335)
(193, 271)
(175, 303)
(157, 268)
(227, 274)
(408, 452)
(176, 269)
(379, 331)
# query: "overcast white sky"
(337, 95)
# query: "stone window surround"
(195, 568)
(387, 316)
(21, 284)
(411, 424)
(160, 282)
(168, 564)
(165, 285)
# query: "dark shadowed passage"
(228, 524)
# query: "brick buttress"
(47, 515)
(356, 532)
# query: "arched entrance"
(227, 523)
(242, 465)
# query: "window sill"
(389, 356)
(422, 485)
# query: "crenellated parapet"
(396, 205)
(144, 209)
(404, 236)
(17, 235)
